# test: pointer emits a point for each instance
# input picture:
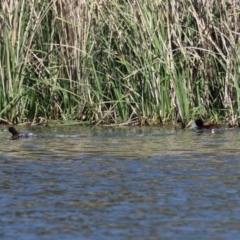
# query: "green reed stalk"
(111, 62)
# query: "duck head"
(198, 123)
(13, 131)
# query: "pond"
(120, 183)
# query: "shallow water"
(123, 183)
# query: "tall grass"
(131, 62)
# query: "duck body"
(200, 125)
(16, 134)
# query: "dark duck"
(16, 134)
(200, 125)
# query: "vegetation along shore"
(120, 62)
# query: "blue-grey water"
(120, 183)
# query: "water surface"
(121, 183)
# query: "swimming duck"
(16, 134)
(200, 125)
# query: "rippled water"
(123, 183)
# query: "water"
(123, 183)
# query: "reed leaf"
(137, 62)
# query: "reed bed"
(119, 62)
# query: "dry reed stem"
(202, 37)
